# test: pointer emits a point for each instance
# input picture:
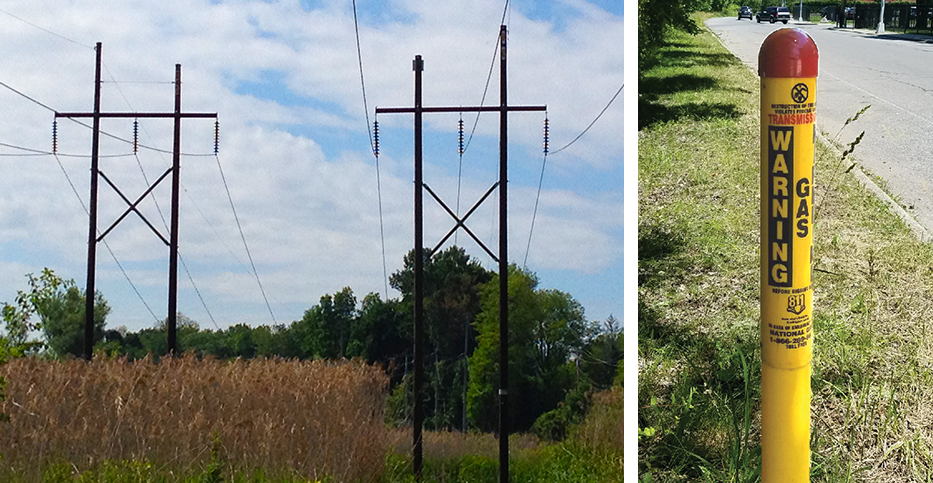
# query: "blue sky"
(284, 78)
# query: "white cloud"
(300, 173)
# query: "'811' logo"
(796, 304)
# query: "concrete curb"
(915, 227)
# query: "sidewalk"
(887, 35)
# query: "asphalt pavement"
(891, 72)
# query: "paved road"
(894, 75)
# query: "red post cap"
(788, 52)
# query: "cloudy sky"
(284, 78)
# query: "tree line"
(557, 357)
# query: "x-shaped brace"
(132, 206)
(461, 221)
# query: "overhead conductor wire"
(62, 166)
(544, 163)
(57, 155)
(505, 11)
(373, 143)
(243, 237)
(534, 213)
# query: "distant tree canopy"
(556, 356)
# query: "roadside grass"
(699, 357)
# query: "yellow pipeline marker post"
(787, 65)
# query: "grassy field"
(258, 421)
(699, 357)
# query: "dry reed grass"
(288, 417)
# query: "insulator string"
(459, 170)
(546, 135)
(216, 137)
(460, 135)
(55, 136)
(135, 136)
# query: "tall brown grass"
(602, 428)
(288, 417)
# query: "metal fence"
(902, 18)
(795, 12)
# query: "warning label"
(787, 133)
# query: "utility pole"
(94, 239)
(881, 19)
(503, 109)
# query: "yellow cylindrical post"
(787, 65)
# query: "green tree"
(63, 319)
(546, 327)
(60, 306)
(452, 281)
(600, 358)
(239, 338)
(381, 332)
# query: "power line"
(372, 145)
(105, 133)
(534, 213)
(463, 148)
(544, 163)
(26, 96)
(29, 150)
(594, 120)
(243, 237)
(180, 258)
(492, 64)
(188, 193)
(37, 152)
(47, 30)
(198, 292)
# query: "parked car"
(774, 14)
(746, 12)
